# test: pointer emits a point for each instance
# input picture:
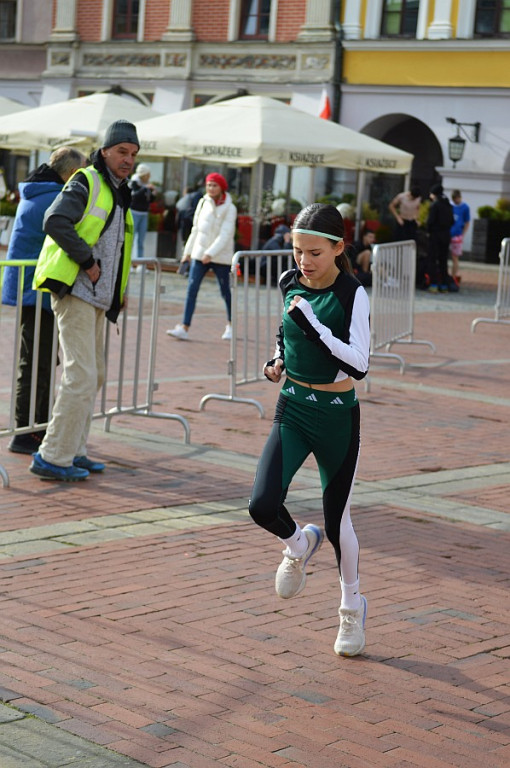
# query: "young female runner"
(322, 345)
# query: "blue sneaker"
(47, 471)
(83, 462)
(291, 574)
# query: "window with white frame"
(125, 19)
(399, 18)
(8, 19)
(254, 21)
(492, 18)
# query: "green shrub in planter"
(498, 212)
(155, 222)
(8, 208)
(487, 212)
(329, 200)
(384, 234)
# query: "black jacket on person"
(141, 196)
(440, 218)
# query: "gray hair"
(66, 160)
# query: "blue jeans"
(141, 221)
(197, 273)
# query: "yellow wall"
(428, 68)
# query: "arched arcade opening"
(411, 135)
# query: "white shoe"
(351, 636)
(227, 334)
(178, 332)
(291, 576)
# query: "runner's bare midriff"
(335, 386)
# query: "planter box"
(487, 237)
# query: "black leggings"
(327, 425)
(24, 378)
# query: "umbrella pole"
(256, 202)
(360, 191)
(184, 174)
(33, 161)
(288, 193)
(311, 185)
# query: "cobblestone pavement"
(139, 621)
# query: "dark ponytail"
(327, 220)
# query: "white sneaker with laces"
(227, 333)
(351, 636)
(178, 332)
(291, 576)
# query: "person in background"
(209, 246)
(170, 223)
(360, 254)
(405, 207)
(462, 217)
(439, 223)
(37, 193)
(322, 345)
(281, 238)
(85, 263)
(186, 207)
(142, 195)
(280, 241)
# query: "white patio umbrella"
(251, 130)
(81, 121)
(248, 129)
(8, 106)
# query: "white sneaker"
(178, 332)
(351, 636)
(291, 576)
(227, 333)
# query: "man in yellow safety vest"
(85, 263)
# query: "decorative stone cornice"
(246, 61)
(253, 62)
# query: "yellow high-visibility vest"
(55, 264)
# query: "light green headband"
(321, 234)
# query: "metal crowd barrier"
(392, 300)
(256, 315)
(257, 308)
(124, 384)
(502, 306)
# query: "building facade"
(177, 54)
(413, 73)
(411, 68)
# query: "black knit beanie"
(119, 132)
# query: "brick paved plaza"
(139, 620)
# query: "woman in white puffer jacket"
(210, 246)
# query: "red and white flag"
(325, 107)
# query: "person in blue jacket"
(37, 193)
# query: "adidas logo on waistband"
(312, 397)
(336, 401)
(291, 391)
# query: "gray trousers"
(81, 337)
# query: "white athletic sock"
(297, 544)
(351, 599)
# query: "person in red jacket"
(209, 246)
